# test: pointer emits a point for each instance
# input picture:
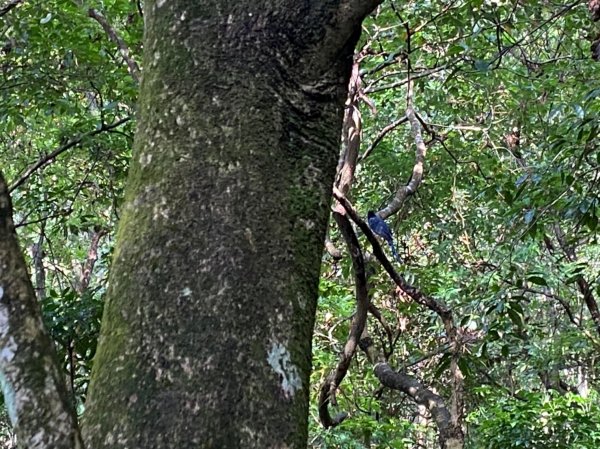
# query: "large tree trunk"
(207, 328)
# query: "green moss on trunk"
(206, 334)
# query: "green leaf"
(515, 317)
(537, 279)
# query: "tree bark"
(32, 381)
(207, 327)
(450, 432)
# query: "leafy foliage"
(503, 228)
(537, 421)
(62, 81)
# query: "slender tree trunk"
(32, 382)
(207, 328)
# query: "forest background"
(470, 125)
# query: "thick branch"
(417, 173)
(330, 385)
(351, 134)
(49, 158)
(5, 9)
(133, 67)
(438, 307)
(450, 435)
(32, 381)
(448, 421)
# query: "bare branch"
(351, 133)
(450, 435)
(49, 158)
(417, 173)
(449, 421)
(5, 9)
(134, 69)
(419, 297)
(330, 385)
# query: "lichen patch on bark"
(289, 376)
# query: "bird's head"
(370, 214)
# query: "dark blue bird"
(380, 227)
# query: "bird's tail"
(394, 253)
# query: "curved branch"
(134, 69)
(416, 295)
(333, 380)
(450, 435)
(448, 421)
(417, 173)
(351, 133)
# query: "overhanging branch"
(416, 295)
(134, 69)
(49, 158)
(449, 434)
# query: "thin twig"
(384, 132)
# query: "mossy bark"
(207, 327)
(32, 381)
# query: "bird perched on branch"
(380, 227)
